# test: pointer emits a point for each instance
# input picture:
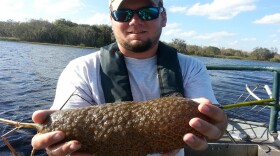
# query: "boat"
(244, 137)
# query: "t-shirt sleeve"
(72, 88)
(196, 79)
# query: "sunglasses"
(145, 14)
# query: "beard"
(138, 47)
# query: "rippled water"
(28, 77)
(29, 73)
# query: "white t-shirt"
(80, 80)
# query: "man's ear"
(163, 17)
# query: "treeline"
(66, 32)
(259, 53)
(58, 32)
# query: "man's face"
(137, 35)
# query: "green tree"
(7, 29)
(262, 54)
(103, 35)
(65, 22)
(193, 49)
(179, 44)
(212, 51)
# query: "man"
(137, 67)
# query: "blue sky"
(238, 24)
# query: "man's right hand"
(49, 140)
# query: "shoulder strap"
(114, 76)
(169, 71)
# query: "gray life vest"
(115, 80)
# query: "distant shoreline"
(13, 39)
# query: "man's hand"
(49, 140)
(212, 129)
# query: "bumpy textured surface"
(128, 128)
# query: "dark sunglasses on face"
(145, 14)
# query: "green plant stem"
(264, 102)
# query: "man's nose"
(136, 19)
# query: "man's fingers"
(41, 115)
(216, 123)
(202, 101)
(41, 141)
(212, 127)
(63, 148)
(213, 112)
(195, 142)
(208, 130)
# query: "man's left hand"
(213, 129)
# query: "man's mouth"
(136, 32)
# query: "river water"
(29, 73)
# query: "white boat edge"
(249, 132)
